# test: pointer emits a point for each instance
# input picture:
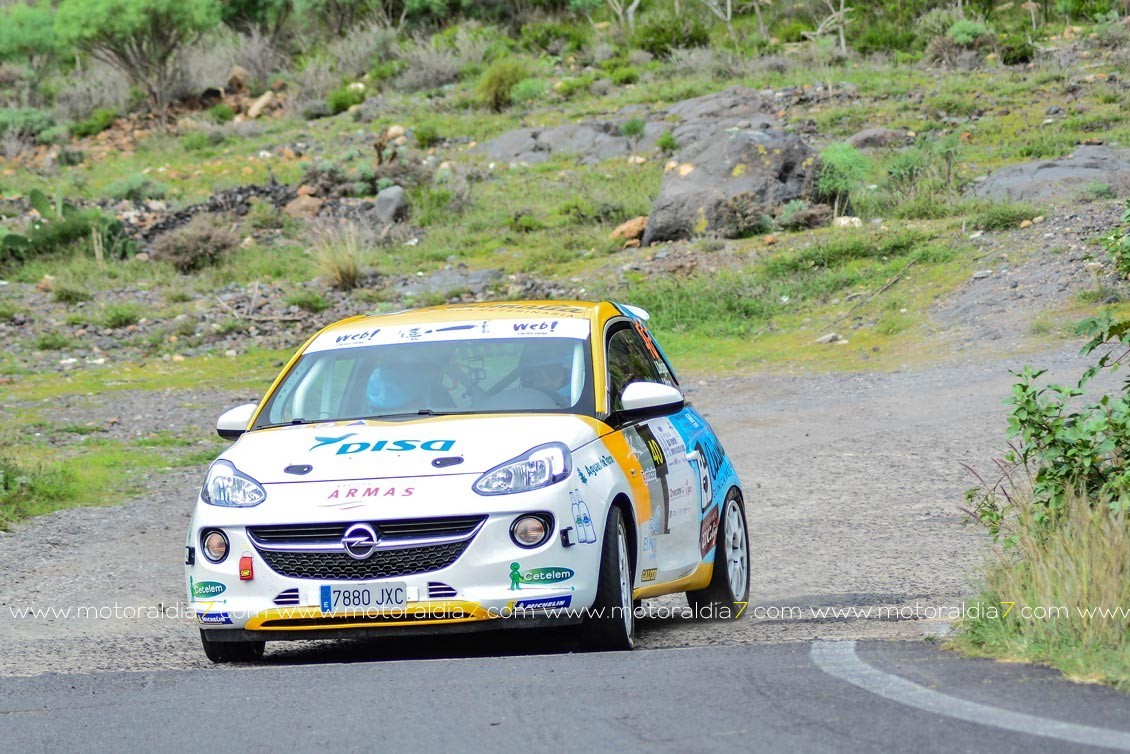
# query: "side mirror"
(650, 399)
(233, 422)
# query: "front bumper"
(476, 589)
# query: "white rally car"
(465, 467)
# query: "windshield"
(485, 375)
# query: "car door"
(669, 519)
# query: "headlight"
(536, 468)
(226, 486)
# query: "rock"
(831, 337)
(303, 206)
(633, 228)
(392, 205)
(770, 240)
(261, 104)
(46, 284)
(847, 222)
(982, 274)
(730, 149)
(816, 216)
(307, 190)
(1060, 180)
(237, 78)
(877, 138)
(394, 132)
(1025, 224)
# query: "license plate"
(351, 598)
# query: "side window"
(628, 362)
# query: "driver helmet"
(547, 366)
(394, 385)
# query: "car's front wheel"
(232, 651)
(728, 591)
(611, 624)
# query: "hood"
(433, 446)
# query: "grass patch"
(1053, 598)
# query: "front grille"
(323, 534)
(287, 597)
(382, 564)
(440, 590)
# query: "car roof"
(593, 314)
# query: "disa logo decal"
(395, 446)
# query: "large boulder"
(734, 156)
(392, 205)
(1060, 180)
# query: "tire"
(611, 626)
(232, 651)
(729, 586)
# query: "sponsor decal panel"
(586, 532)
(207, 590)
(376, 446)
(589, 470)
(214, 619)
(648, 574)
(543, 603)
(527, 321)
(358, 493)
(709, 532)
(537, 576)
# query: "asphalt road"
(825, 696)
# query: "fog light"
(214, 544)
(531, 530)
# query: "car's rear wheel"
(232, 651)
(611, 625)
(729, 586)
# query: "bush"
(27, 32)
(52, 342)
(201, 243)
(528, 90)
(553, 39)
(570, 88)
(23, 121)
(743, 216)
(1002, 216)
(140, 37)
(427, 135)
(842, 170)
(967, 33)
(200, 140)
(99, 121)
(221, 113)
(498, 83)
(344, 98)
(662, 34)
(309, 301)
(667, 143)
(624, 75)
(118, 316)
(341, 255)
(137, 188)
(1117, 242)
(425, 67)
(67, 295)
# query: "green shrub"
(198, 141)
(309, 301)
(661, 34)
(624, 75)
(99, 121)
(118, 316)
(28, 31)
(497, 84)
(1117, 242)
(571, 87)
(791, 30)
(427, 135)
(1001, 216)
(59, 134)
(137, 188)
(842, 170)
(65, 294)
(528, 90)
(1017, 51)
(71, 157)
(667, 143)
(52, 342)
(968, 33)
(553, 38)
(24, 121)
(340, 100)
(204, 242)
(881, 35)
(221, 113)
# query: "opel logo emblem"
(359, 541)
